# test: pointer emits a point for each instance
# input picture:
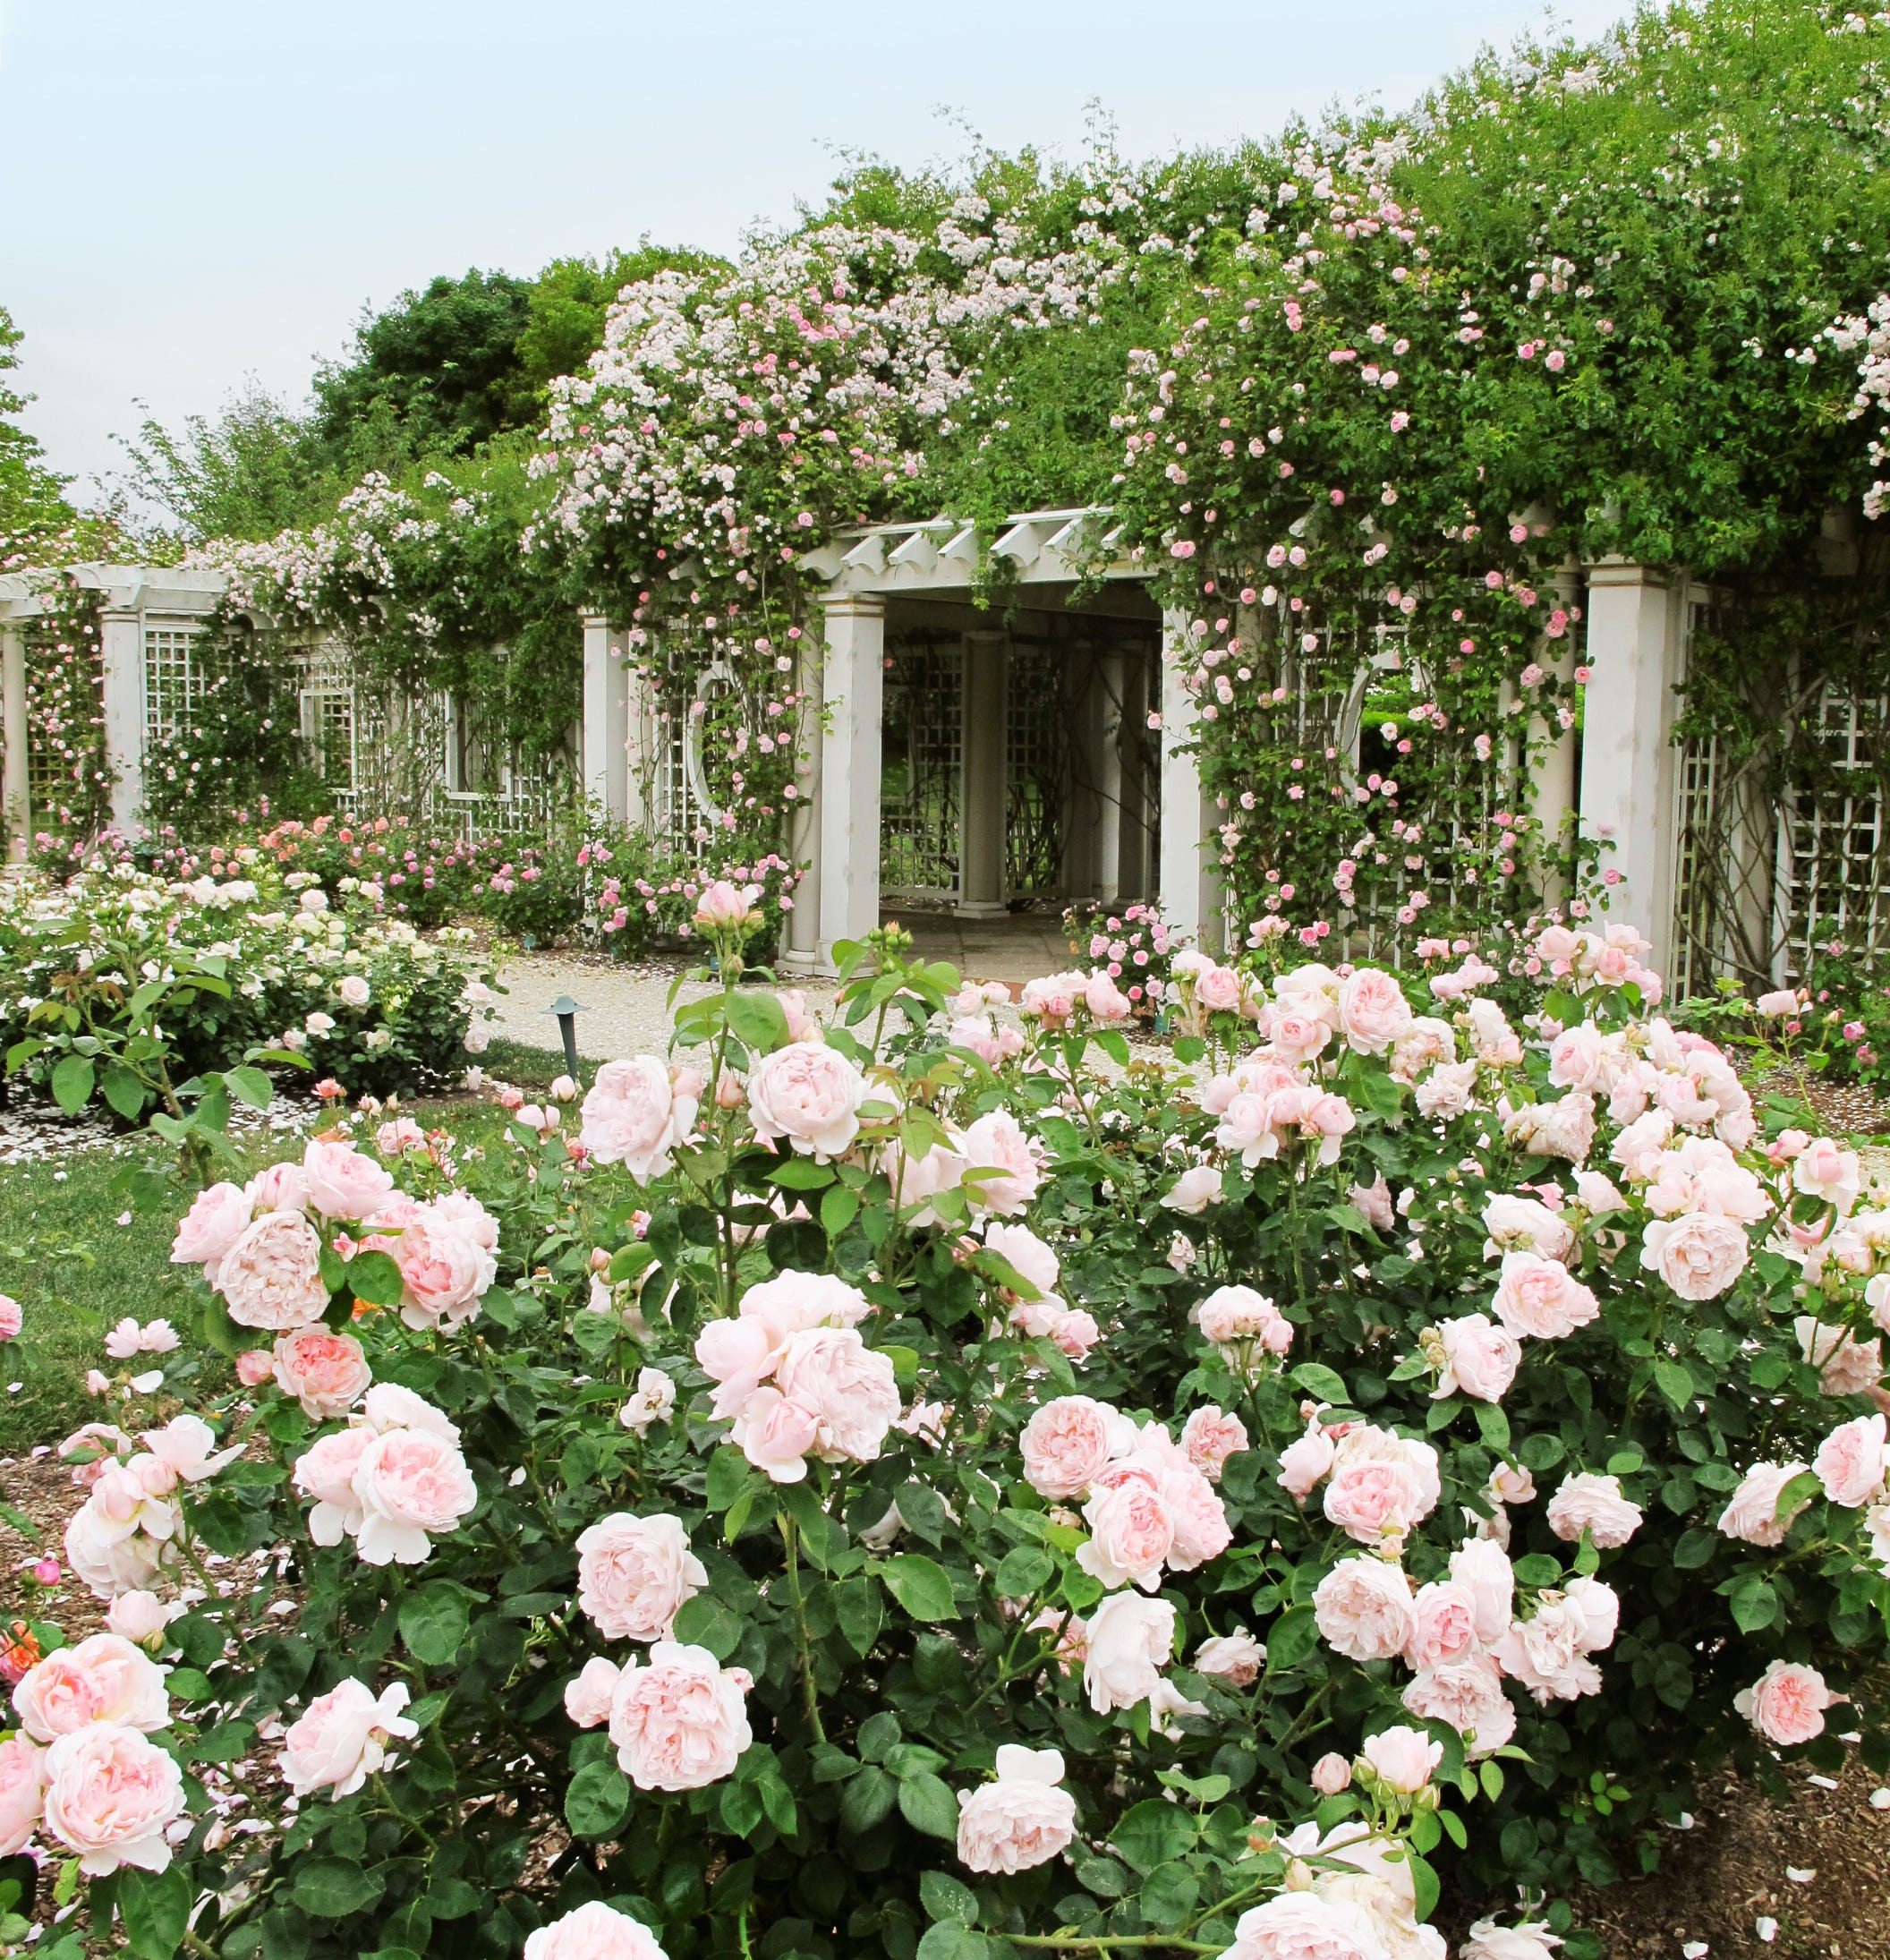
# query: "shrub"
(806, 1512)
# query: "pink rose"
(341, 1738)
(1787, 1703)
(1306, 1463)
(1373, 1010)
(1589, 1502)
(1468, 1695)
(271, 1277)
(590, 1693)
(1130, 1530)
(1548, 1653)
(1331, 1773)
(1541, 1298)
(1597, 1610)
(1001, 1173)
(1516, 1223)
(1752, 1512)
(1780, 1004)
(444, 1270)
(23, 1793)
(634, 1575)
(775, 1435)
(1027, 1256)
(1297, 1036)
(808, 1094)
(1105, 1000)
(140, 1617)
(342, 1183)
(278, 1187)
(212, 1225)
(254, 1367)
(1219, 989)
(1482, 1569)
(1235, 1658)
(12, 1318)
(1480, 1358)
(327, 1373)
(325, 1471)
(410, 1484)
(850, 1389)
(1238, 1317)
(1307, 1926)
(681, 1722)
(1402, 1759)
(1374, 1204)
(1851, 1460)
(1209, 1438)
(1825, 1168)
(594, 1932)
(1130, 1640)
(1363, 1608)
(109, 1796)
(634, 1116)
(1445, 1629)
(103, 1679)
(1846, 1365)
(1023, 1819)
(1699, 1256)
(1381, 1485)
(1068, 1442)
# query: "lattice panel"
(172, 684)
(1833, 868)
(1036, 769)
(1696, 958)
(922, 732)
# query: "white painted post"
(1191, 893)
(121, 639)
(801, 953)
(13, 786)
(1635, 646)
(607, 714)
(1108, 680)
(984, 774)
(1554, 793)
(849, 851)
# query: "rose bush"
(898, 1537)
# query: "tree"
(32, 497)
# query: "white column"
(1635, 648)
(120, 638)
(849, 832)
(606, 713)
(801, 951)
(1553, 791)
(984, 777)
(14, 786)
(1190, 849)
(1109, 679)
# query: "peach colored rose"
(1068, 1442)
(443, 1270)
(1699, 1256)
(342, 1183)
(1209, 1438)
(634, 1575)
(1001, 1173)
(22, 1792)
(1130, 1640)
(103, 1679)
(1467, 1694)
(213, 1224)
(1402, 1758)
(271, 1277)
(1374, 1204)
(1480, 1358)
(1787, 1703)
(1850, 1461)
(633, 1115)
(110, 1795)
(1589, 1502)
(341, 1738)
(1235, 1658)
(1445, 1629)
(1131, 1533)
(325, 1471)
(1372, 1011)
(327, 1373)
(681, 1722)
(1541, 1298)
(848, 1388)
(594, 1932)
(590, 1692)
(1364, 1611)
(1752, 1512)
(808, 1094)
(1023, 1819)
(410, 1484)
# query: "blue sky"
(198, 191)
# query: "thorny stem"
(809, 1692)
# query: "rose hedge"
(888, 1487)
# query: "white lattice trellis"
(921, 771)
(172, 684)
(1834, 873)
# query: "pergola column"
(1191, 884)
(1122, 859)
(121, 643)
(14, 796)
(1553, 791)
(606, 720)
(984, 777)
(801, 949)
(853, 689)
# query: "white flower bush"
(707, 1533)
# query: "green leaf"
(1674, 1382)
(838, 1209)
(1024, 1570)
(948, 1940)
(374, 1277)
(922, 1586)
(598, 1801)
(335, 1887)
(727, 1477)
(927, 1803)
(1168, 1896)
(756, 1021)
(1754, 1602)
(1695, 1548)
(1292, 1637)
(860, 1612)
(1154, 1832)
(867, 1798)
(1426, 1880)
(252, 1085)
(1316, 1379)
(945, 1897)
(433, 1622)
(122, 1090)
(797, 1175)
(1492, 1425)
(72, 1084)
(155, 1908)
(705, 1622)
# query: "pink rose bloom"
(140, 1618)
(808, 1094)
(1540, 1297)
(121, 1535)
(109, 1796)
(12, 1318)
(1699, 1256)
(1331, 1773)
(1308, 1926)
(1597, 1610)
(1068, 1442)
(1787, 1703)
(1235, 1658)
(594, 1932)
(1373, 1010)
(325, 1471)
(212, 1225)
(1548, 1654)
(271, 1276)
(1583, 1058)
(1197, 1515)
(1563, 1129)
(1363, 1607)
(1846, 1365)
(1024, 1818)
(1824, 1169)
(977, 1036)
(327, 1373)
(341, 1738)
(1237, 1316)
(1131, 1532)
(278, 1187)
(1209, 1438)
(1752, 1512)
(23, 1793)
(389, 1405)
(1448, 1090)
(1778, 1005)
(590, 1693)
(103, 1679)
(1298, 1035)
(848, 1388)
(1444, 1628)
(410, 1483)
(1403, 1759)
(254, 1367)
(632, 1115)
(634, 1575)
(1304, 1464)
(1130, 1640)
(1374, 1204)
(1380, 1485)
(1851, 1460)
(1480, 1358)
(1589, 1502)
(1596, 1195)
(443, 1271)
(1027, 1254)
(342, 1183)
(1468, 1695)
(1105, 1000)
(681, 1722)
(1482, 1569)
(775, 1435)
(1075, 1332)
(1002, 1172)
(1219, 990)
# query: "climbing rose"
(1587, 1501)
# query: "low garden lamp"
(568, 1011)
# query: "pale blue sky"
(195, 190)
